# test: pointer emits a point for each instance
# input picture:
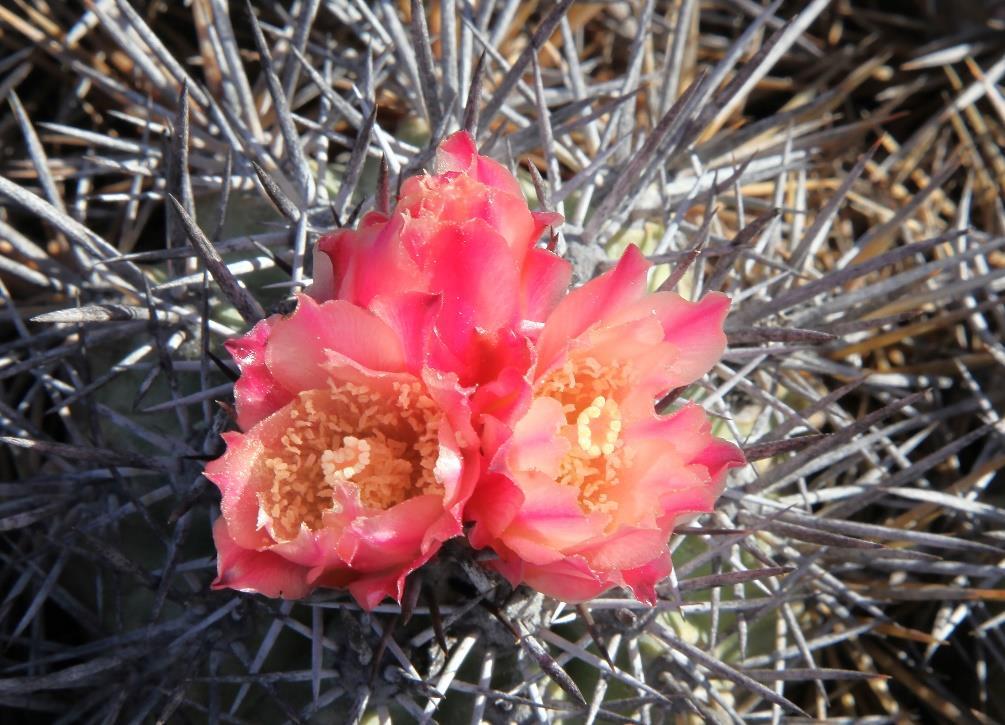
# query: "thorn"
(246, 305)
(223, 367)
(413, 587)
(591, 627)
(350, 179)
(228, 409)
(384, 187)
(381, 648)
(276, 259)
(436, 618)
(282, 202)
(472, 108)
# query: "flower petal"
(504, 399)
(693, 328)
(475, 272)
(296, 351)
(411, 316)
(598, 299)
(545, 219)
(392, 538)
(696, 330)
(494, 504)
(323, 285)
(719, 456)
(457, 153)
(256, 392)
(551, 515)
(545, 279)
(370, 260)
(643, 580)
(690, 431)
(537, 444)
(233, 474)
(628, 548)
(570, 580)
(458, 462)
(369, 591)
(248, 570)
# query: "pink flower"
(586, 483)
(356, 460)
(359, 454)
(466, 237)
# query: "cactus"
(836, 169)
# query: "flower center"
(587, 391)
(382, 444)
(598, 426)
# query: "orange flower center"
(383, 444)
(588, 391)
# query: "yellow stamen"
(384, 444)
(588, 392)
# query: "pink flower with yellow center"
(465, 237)
(356, 459)
(586, 482)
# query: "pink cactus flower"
(359, 453)
(586, 482)
(465, 236)
(355, 460)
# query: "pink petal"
(530, 549)
(475, 187)
(719, 456)
(545, 219)
(473, 269)
(687, 429)
(248, 570)
(643, 580)
(394, 537)
(600, 298)
(256, 392)
(233, 473)
(693, 328)
(508, 214)
(551, 514)
(537, 444)
(296, 353)
(496, 501)
(569, 580)
(660, 485)
(696, 330)
(690, 433)
(411, 316)
(492, 173)
(689, 498)
(458, 461)
(628, 548)
(371, 260)
(481, 358)
(310, 548)
(493, 434)
(503, 399)
(369, 591)
(457, 153)
(450, 469)
(545, 279)
(510, 567)
(323, 286)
